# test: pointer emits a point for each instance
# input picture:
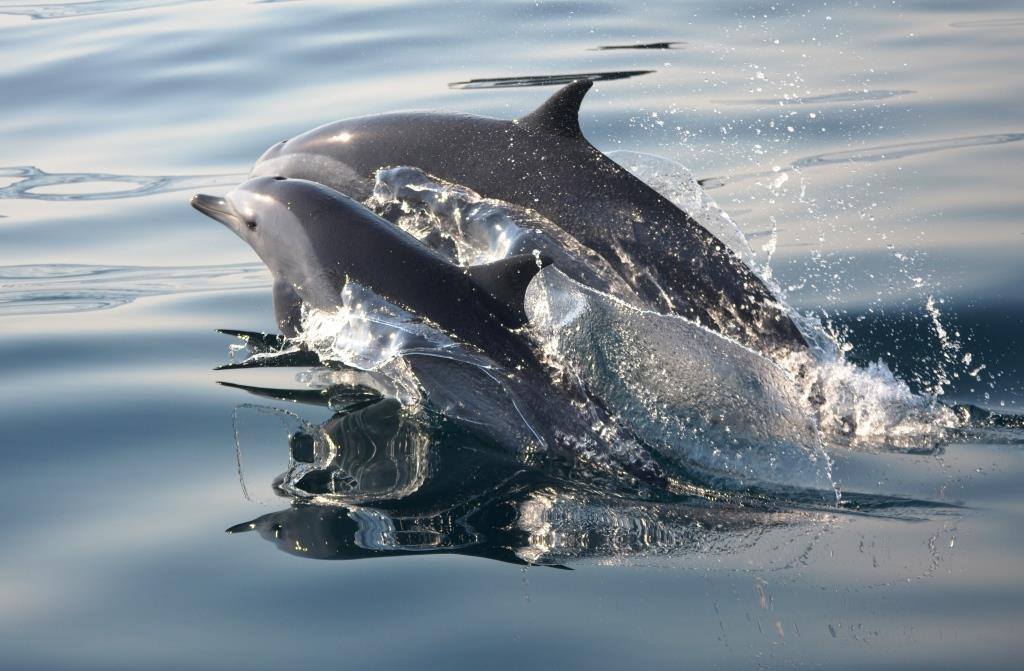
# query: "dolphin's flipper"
(268, 350)
(307, 396)
(256, 341)
(506, 280)
(560, 114)
(294, 359)
(287, 308)
(338, 398)
(241, 527)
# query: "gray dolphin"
(542, 161)
(314, 239)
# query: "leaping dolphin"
(312, 238)
(315, 239)
(542, 161)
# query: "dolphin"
(315, 239)
(542, 161)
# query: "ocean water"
(870, 154)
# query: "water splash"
(869, 408)
(469, 229)
(369, 333)
(701, 400)
(863, 407)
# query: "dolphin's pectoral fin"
(561, 112)
(506, 280)
(258, 343)
(287, 308)
(241, 528)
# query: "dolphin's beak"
(217, 208)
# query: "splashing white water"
(866, 408)
(469, 229)
(368, 333)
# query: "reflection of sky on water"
(116, 442)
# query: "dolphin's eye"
(251, 223)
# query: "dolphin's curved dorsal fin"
(506, 280)
(561, 112)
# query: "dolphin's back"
(544, 163)
(479, 305)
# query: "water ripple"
(71, 9)
(32, 180)
(62, 288)
(897, 151)
(839, 97)
(873, 155)
(990, 23)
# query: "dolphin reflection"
(378, 480)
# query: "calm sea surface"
(872, 152)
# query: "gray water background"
(117, 447)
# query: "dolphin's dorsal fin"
(506, 280)
(560, 113)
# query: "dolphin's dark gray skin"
(542, 161)
(314, 239)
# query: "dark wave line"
(990, 23)
(828, 98)
(896, 151)
(544, 80)
(646, 45)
